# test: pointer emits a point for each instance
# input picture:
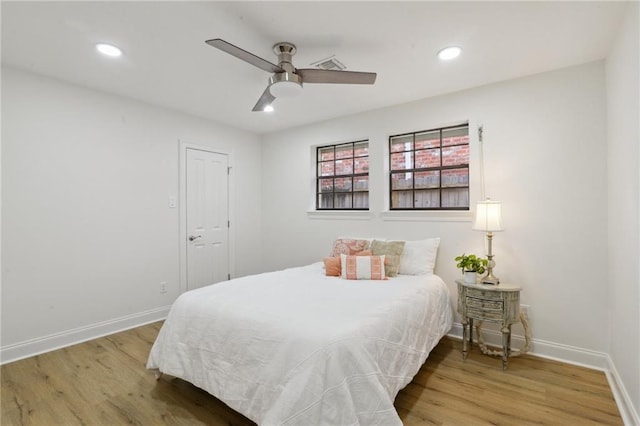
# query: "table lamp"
(489, 219)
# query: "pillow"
(348, 246)
(362, 267)
(419, 257)
(333, 267)
(392, 250)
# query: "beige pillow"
(392, 250)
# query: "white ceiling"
(166, 61)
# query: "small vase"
(470, 277)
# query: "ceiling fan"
(287, 80)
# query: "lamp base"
(490, 279)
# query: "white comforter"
(295, 347)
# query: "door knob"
(191, 237)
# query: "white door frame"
(183, 210)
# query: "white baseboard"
(556, 351)
(571, 355)
(628, 412)
(52, 342)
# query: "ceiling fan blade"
(266, 99)
(249, 57)
(312, 75)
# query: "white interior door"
(207, 215)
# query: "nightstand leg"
(464, 338)
(506, 337)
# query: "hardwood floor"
(104, 382)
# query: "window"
(342, 176)
(429, 170)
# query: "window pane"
(343, 184)
(429, 179)
(342, 201)
(459, 135)
(361, 149)
(428, 158)
(326, 185)
(325, 201)
(344, 151)
(455, 197)
(337, 184)
(326, 168)
(427, 198)
(455, 155)
(402, 199)
(402, 161)
(402, 143)
(402, 181)
(425, 165)
(362, 165)
(360, 200)
(325, 154)
(455, 177)
(344, 167)
(428, 140)
(361, 183)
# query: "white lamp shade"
(488, 216)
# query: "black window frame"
(440, 169)
(353, 175)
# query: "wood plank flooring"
(104, 382)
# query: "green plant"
(471, 263)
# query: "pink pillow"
(362, 267)
(348, 246)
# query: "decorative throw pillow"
(419, 257)
(392, 250)
(362, 267)
(348, 246)
(333, 266)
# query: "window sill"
(340, 214)
(427, 216)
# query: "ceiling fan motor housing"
(285, 84)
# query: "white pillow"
(419, 257)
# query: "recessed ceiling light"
(268, 108)
(449, 53)
(109, 49)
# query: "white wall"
(545, 159)
(87, 231)
(623, 98)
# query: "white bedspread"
(295, 347)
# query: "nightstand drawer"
(486, 315)
(484, 294)
(495, 305)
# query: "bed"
(295, 347)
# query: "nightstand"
(493, 303)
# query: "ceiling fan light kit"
(287, 81)
(285, 85)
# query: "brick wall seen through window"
(342, 176)
(429, 170)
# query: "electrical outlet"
(525, 309)
(163, 287)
